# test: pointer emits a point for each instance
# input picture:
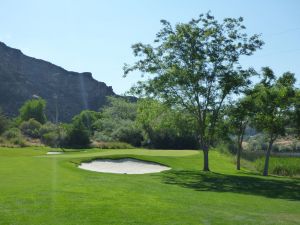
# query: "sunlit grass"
(50, 189)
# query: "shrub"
(13, 136)
(78, 136)
(33, 109)
(12, 133)
(18, 141)
(51, 139)
(31, 128)
(47, 128)
(102, 137)
(129, 134)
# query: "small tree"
(196, 67)
(239, 116)
(33, 109)
(78, 135)
(273, 100)
(87, 118)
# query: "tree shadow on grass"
(243, 184)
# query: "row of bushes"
(146, 123)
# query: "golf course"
(40, 189)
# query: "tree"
(78, 135)
(33, 109)
(196, 68)
(296, 114)
(273, 100)
(239, 116)
(87, 118)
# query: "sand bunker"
(123, 166)
(54, 153)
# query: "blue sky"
(95, 36)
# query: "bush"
(77, 136)
(33, 109)
(13, 136)
(51, 139)
(31, 128)
(47, 128)
(53, 135)
(12, 133)
(129, 134)
(102, 137)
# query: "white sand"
(123, 166)
(54, 153)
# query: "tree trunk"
(238, 158)
(266, 167)
(205, 158)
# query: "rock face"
(67, 93)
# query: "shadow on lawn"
(209, 181)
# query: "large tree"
(273, 99)
(195, 66)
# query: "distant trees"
(196, 67)
(118, 122)
(166, 128)
(33, 109)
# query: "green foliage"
(273, 101)
(12, 133)
(119, 109)
(13, 137)
(77, 135)
(53, 135)
(31, 128)
(118, 123)
(273, 104)
(33, 109)
(166, 128)
(283, 166)
(111, 145)
(102, 137)
(4, 122)
(196, 67)
(87, 118)
(128, 132)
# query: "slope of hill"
(67, 93)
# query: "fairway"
(40, 189)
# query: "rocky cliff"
(67, 93)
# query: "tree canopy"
(195, 66)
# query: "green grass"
(283, 166)
(37, 189)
